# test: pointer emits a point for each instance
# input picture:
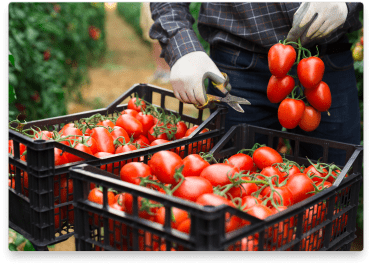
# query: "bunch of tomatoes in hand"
(258, 181)
(290, 91)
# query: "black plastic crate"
(37, 182)
(332, 228)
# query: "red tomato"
(106, 123)
(279, 88)
(271, 171)
(60, 157)
(244, 189)
(301, 187)
(137, 104)
(192, 187)
(185, 226)
(281, 196)
(145, 213)
(181, 130)
(120, 132)
(310, 119)
(290, 112)
(292, 169)
(310, 71)
(266, 156)
(283, 231)
(249, 243)
(105, 141)
(96, 196)
(281, 59)
(158, 142)
(125, 148)
(314, 174)
(260, 211)
(232, 222)
(131, 112)
(314, 216)
(108, 167)
(194, 164)
(325, 185)
(131, 172)
(142, 141)
(147, 122)
(69, 130)
(248, 201)
(241, 161)
(320, 97)
(153, 136)
(81, 147)
(91, 142)
(219, 173)
(130, 124)
(44, 134)
(163, 165)
(178, 216)
(190, 130)
(313, 242)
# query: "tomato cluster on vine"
(290, 91)
(258, 181)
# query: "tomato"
(259, 211)
(241, 161)
(91, 142)
(142, 141)
(146, 120)
(137, 104)
(290, 112)
(219, 173)
(178, 216)
(310, 119)
(325, 185)
(292, 169)
(185, 226)
(96, 196)
(301, 187)
(153, 136)
(279, 88)
(22, 148)
(120, 132)
(44, 134)
(242, 190)
(281, 59)
(192, 149)
(190, 130)
(314, 174)
(158, 142)
(313, 242)
(70, 130)
(131, 172)
(60, 157)
(210, 199)
(273, 173)
(163, 165)
(281, 196)
(320, 97)
(105, 141)
(181, 130)
(130, 124)
(81, 147)
(106, 123)
(334, 176)
(125, 148)
(131, 112)
(310, 71)
(108, 167)
(192, 187)
(266, 156)
(194, 164)
(119, 229)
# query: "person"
(240, 36)
(162, 70)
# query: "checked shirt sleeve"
(173, 29)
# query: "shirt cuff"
(184, 42)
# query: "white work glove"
(315, 20)
(188, 74)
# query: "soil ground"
(128, 62)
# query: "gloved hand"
(188, 74)
(314, 21)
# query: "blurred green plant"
(52, 45)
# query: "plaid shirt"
(253, 26)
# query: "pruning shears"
(225, 88)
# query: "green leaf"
(12, 247)
(31, 34)
(29, 246)
(19, 240)
(12, 95)
(11, 59)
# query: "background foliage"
(52, 45)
